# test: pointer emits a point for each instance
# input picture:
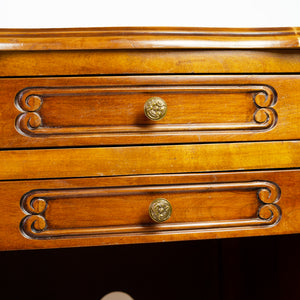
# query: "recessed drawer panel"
(41, 112)
(133, 209)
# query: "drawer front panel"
(96, 211)
(100, 211)
(48, 111)
(41, 112)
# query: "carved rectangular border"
(30, 100)
(34, 204)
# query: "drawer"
(138, 209)
(79, 111)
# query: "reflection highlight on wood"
(148, 38)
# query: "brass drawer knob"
(160, 210)
(155, 108)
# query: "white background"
(208, 13)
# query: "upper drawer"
(74, 111)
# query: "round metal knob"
(160, 210)
(155, 108)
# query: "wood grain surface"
(80, 163)
(112, 161)
(156, 61)
(150, 37)
(68, 111)
(67, 213)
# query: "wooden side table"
(115, 136)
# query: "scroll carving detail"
(30, 102)
(35, 204)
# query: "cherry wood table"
(115, 136)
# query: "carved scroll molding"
(36, 203)
(30, 102)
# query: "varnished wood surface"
(72, 138)
(106, 161)
(123, 210)
(68, 111)
(158, 61)
(141, 38)
(64, 213)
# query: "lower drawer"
(141, 209)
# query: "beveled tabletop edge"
(148, 38)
